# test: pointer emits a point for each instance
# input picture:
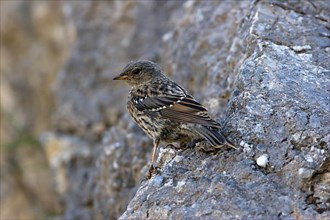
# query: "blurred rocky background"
(69, 150)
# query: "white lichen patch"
(178, 158)
(213, 103)
(305, 172)
(301, 48)
(296, 136)
(167, 36)
(246, 147)
(115, 165)
(108, 149)
(188, 4)
(309, 158)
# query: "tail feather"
(213, 136)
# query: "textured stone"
(271, 105)
(260, 67)
(35, 42)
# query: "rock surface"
(260, 67)
(272, 110)
(268, 60)
(35, 43)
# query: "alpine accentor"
(165, 110)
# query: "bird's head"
(139, 72)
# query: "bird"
(165, 110)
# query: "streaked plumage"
(165, 110)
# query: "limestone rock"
(260, 67)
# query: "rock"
(260, 67)
(271, 101)
(262, 160)
(35, 42)
(305, 173)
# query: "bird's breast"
(148, 124)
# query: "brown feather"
(187, 114)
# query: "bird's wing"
(174, 104)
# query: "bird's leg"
(154, 151)
(153, 168)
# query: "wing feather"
(180, 107)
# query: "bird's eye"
(136, 71)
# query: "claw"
(180, 147)
(153, 170)
(171, 146)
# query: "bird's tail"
(214, 136)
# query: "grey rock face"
(261, 67)
(35, 42)
(271, 105)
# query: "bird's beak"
(121, 76)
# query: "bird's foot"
(153, 170)
(171, 146)
(177, 147)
